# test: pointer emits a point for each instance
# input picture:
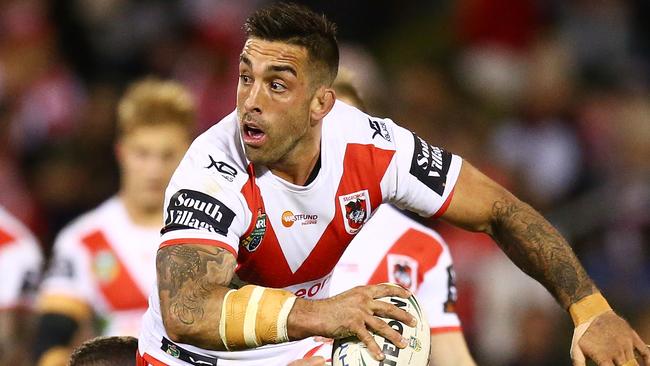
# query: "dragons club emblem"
(355, 208)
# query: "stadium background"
(550, 98)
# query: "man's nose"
(253, 101)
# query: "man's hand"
(352, 313)
(608, 340)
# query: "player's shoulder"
(15, 237)
(215, 157)
(108, 215)
(351, 125)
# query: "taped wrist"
(588, 308)
(253, 316)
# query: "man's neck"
(141, 216)
(298, 165)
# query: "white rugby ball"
(352, 352)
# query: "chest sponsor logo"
(227, 171)
(105, 266)
(379, 129)
(253, 241)
(430, 165)
(188, 209)
(402, 270)
(356, 210)
(289, 218)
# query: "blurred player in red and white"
(411, 255)
(20, 265)
(417, 258)
(104, 262)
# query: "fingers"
(366, 337)
(386, 310)
(390, 331)
(385, 289)
(642, 350)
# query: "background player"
(103, 262)
(20, 267)
(409, 254)
(105, 351)
(284, 97)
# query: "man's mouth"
(253, 135)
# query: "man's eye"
(275, 86)
(245, 79)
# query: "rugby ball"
(352, 352)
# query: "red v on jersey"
(363, 168)
(415, 244)
(118, 287)
(5, 238)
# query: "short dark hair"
(105, 351)
(298, 25)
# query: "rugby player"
(103, 265)
(20, 266)
(275, 192)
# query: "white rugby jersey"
(106, 261)
(20, 262)
(289, 236)
(407, 253)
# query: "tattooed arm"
(531, 242)
(192, 281)
(536, 247)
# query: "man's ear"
(322, 103)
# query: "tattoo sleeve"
(192, 280)
(539, 250)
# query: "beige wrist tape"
(253, 316)
(588, 308)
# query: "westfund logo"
(189, 209)
(430, 165)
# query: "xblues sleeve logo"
(430, 165)
(188, 209)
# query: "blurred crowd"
(550, 98)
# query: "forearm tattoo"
(187, 275)
(539, 250)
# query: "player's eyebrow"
(283, 68)
(274, 68)
(246, 60)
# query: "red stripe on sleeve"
(443, 208)
(446, 330)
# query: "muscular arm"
(192, 281)
(531, 242)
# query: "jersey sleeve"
(421, 177)
(437, 294)
(20, 266)
(70, 271)
(200, 208)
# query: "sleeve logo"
(430, 165)
(227, 171)
(190, 209)
(380, 129)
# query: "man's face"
(273, 99)
(148, 156)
